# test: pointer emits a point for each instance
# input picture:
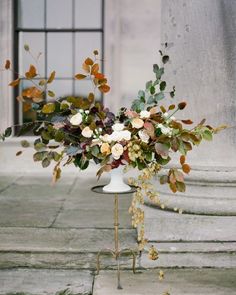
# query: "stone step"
(60, 248)
(45, 282)
(177, 282)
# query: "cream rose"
(105, 148)
(76, 119)
(87, 132)
(144, 135)
(137, 123)
(118, 127)
(117, 150)
(144, 114)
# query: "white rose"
(118, 127)
(116, 136)
(144, 114)
(165, 115)
(76, 119)
(126, 134)
(87, 132)
(137, 123)
(106, 138)
(144, 135)
(117, 150)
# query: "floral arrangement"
(78, 130)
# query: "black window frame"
(17, 30)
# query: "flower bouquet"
(77, 130)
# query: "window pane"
(85, 43)
(60, 54)
(31, 14)
(88, 13)
(59, 14)
(83, 87)
(61, 88)
(36, 41)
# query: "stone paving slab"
(45, 282)
(176, 282)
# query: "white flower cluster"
(118, 134)
(165, 130)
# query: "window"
(65, 32)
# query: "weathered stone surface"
(171, 226)
(45, 282)
(178, 282)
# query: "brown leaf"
(32, 92)
(179, 176)
(88, 61)
(153, 110)
(173, 187)
(180, 186)
(220, 128)
(182, 105)
(51, 77)
(186, 168)
(202, 122)
(26, 107)
(150, 128)
(172, 178)
(80, 76)
(86, 67)
(7, 64)
(105, 168)
(19, 153)
(14, 83)
(31, 73)
(95, 52)
(188, 122)
(104, 88)
(95, 69)
(91, 97)
(162, 150)
(182, 159)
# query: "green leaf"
(180, 186)
(164, 179)
(51, 93)
(162, 85)
(95, 150)
(159, 96)
(152, 90)
(141, 165)
(48, 108)
(141, 94)
(39, 146)
(46, 162)
(26, 47)
(207, 135)
(155, 68)
(8, 132)
(148, 156)
(59, 136)
(151, 99)
(159, 73)
(148, 85)
(39, 156)
(25, 143)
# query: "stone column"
(201, 37)
(6, 46)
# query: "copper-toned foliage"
(32, 72)
(51, 77)
(7, 64)
(88, 61)
(14, 83)
(80, 76)
(182, 105)
(104, 88)
(186, 168)
(182, 159)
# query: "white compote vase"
(117, 184)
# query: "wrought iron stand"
(117, 252)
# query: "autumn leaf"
(7, 64)
(80, 76)
(153, 253)
(171, 107)
(19, 153)
(105, 168)
(86, 67)
(182, 105)
(163, 109)
(186, 168)
(26, 107)
(88, 61)
(104, 88)
(95, 52)
(187, 122)
(48, 108)
(95, 69)
(51, 77)
(182, 159)
(32, 92)
(99, 76)
(31, 73)
(14, 83)
(51, 93)
(91, 97)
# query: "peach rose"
(137, 123)
(105, 148)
